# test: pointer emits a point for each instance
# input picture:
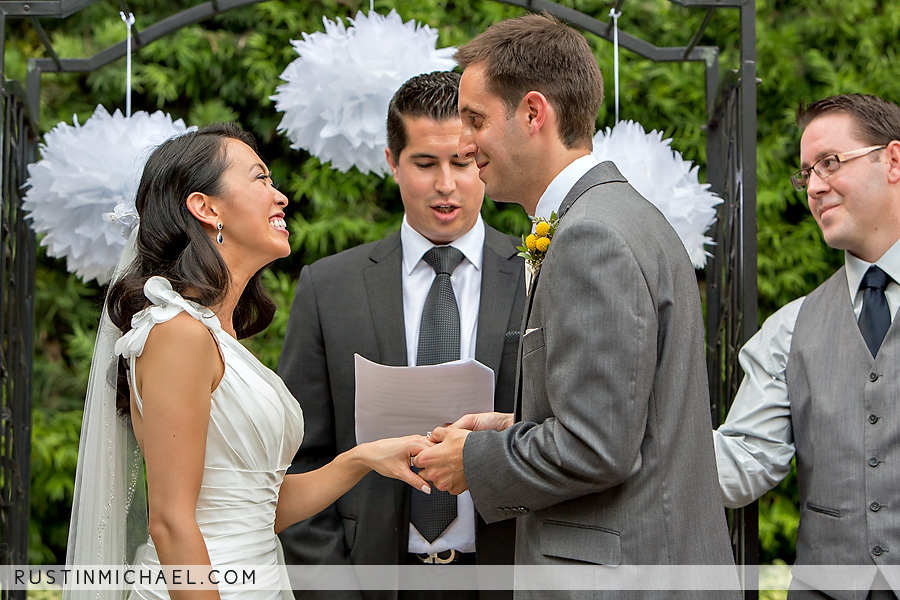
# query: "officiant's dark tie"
(438, 343)
(875, 317)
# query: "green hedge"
(226, 69)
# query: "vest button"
(875, 507)
(873, 376)
(877, 550)
(873, 462)
(873, 419)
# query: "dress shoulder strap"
(166, 304)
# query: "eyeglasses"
(828, 165)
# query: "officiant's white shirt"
(417, 277)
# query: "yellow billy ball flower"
(530, 242)
(542, 244)
(542, 228)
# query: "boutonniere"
(535, 245)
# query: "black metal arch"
(731, 171)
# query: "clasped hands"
(442, 462)
(439, 456)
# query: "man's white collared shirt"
(555, 193)
(417, 276)
(562, 184)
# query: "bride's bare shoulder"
(181, 330)
(180, 354)
(181, 343)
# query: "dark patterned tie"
(438, 343)
(875, 317)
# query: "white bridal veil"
(109, 508)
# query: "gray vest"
(846, 422)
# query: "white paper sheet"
(396, 401)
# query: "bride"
(215, 428)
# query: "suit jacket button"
(874, 507)
(873, 462)
(877, 550)
(873, 419)
(873, 376)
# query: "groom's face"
(493, 137)
(441, 192)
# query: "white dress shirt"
(562, 185)
(555, 193)
(755, 445)
(417, 276)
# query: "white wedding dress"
(255, 428)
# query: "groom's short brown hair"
(538, 52)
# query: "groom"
(609, 461)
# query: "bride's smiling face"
(252, 211)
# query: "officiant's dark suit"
(353, 302)
(609, 461)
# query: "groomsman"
(388, 301)
(821, 374)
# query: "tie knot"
(875, 278)
(443, 259)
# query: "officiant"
(446, 286)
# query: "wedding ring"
(428, 434)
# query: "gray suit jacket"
(350, 303)
(612, 462)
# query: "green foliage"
(779, 513)
(228, 67)
(772, 594)
(66, 315)
(54, 452)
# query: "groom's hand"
(480, 421)
(442, 464)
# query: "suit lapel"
(384, 288)
(498, 292)
(605, 172)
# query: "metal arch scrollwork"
(730, 320)
(731, 285)
(17, 264)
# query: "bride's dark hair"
(171, 242)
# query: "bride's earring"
(219, 237)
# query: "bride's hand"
(391, 457)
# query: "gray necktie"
(439, 334)
(875, 317)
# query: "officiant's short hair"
(538, 52)
(431, 95)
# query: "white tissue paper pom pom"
(82, 190)
(661, 176)
(336, 97)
